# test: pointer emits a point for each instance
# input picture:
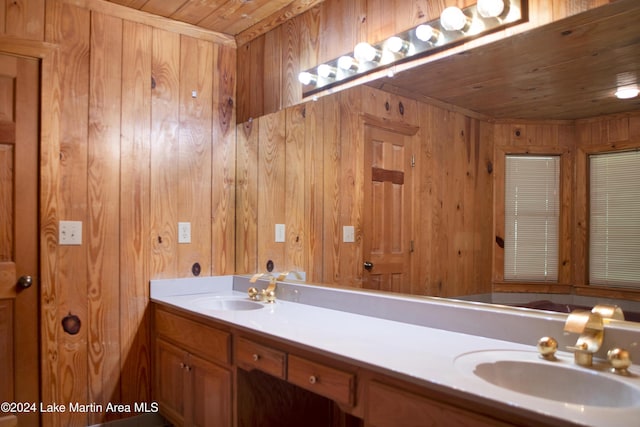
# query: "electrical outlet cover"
(348, 234)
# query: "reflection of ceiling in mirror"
(565, 70)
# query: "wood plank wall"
(137, 134)
(319, 189)
(22, 19)
(268, 74)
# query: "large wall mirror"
(456, 142)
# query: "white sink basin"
(225, 303)
(559, 381)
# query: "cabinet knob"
(255, 357)
(182, 365)
(313, 379)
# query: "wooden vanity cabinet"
(390, 406)
(272, 383)
(193, 380)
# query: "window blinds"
(614, 226)
(532, 187)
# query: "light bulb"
(627, 92)
(427, 33)
(397, 45)
(306, 78)
(326, 71)
(366, 52)
(490, 8)
(347, 63)
(453, 19)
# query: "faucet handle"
(547, 347)
(253, 293)
(620, 361)
(608, 311)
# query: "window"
(532, 187)
(614, 225)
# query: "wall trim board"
(27, 48)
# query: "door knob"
(25, 282)
(368, 265)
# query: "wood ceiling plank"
(235, 18)
(566, 70)
(164, 8)
(195, 11)
(295, 8)
(135, 4)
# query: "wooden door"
(387, 210)
(209, 394)
(19, 355)
(170, 379)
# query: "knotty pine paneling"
(165, 125)
(135, 212)
(223, 166)
(247, 197)
(271, 175)
(22, 19)
(103, 211)
(334, 27)
(134, 121)
(454, 204)
(64, 191)
(322, 185)
(195, 153)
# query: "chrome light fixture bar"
(454, 27)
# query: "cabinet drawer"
(390, 407)
(251, 355)
(336, 384)
(206, 341)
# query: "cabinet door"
(392, 407)
(170, 374)
(209, 398)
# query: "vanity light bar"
(453, 28)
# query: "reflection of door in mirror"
(18, 235)
(387, 210)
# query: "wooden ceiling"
(566, 70)
(242, 19)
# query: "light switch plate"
(348, 234)
(280, 233)
(184, 232)
(70, 232)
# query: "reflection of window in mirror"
(614, 225)
(532, 211)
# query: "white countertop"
(425, 354)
